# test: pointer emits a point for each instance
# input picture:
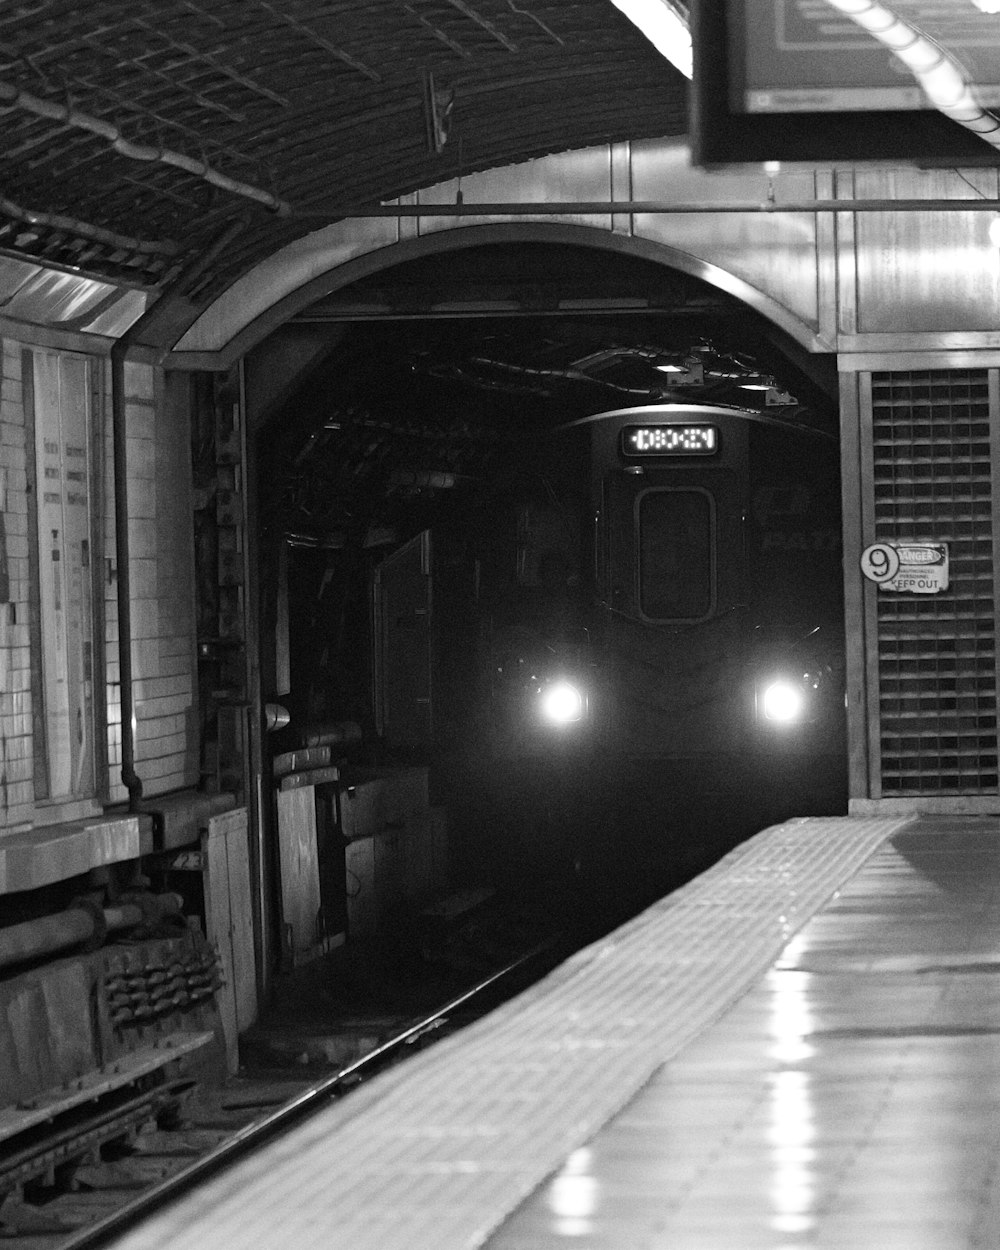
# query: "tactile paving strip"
(438, 1152)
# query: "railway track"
(75, 1186)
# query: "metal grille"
(937, 653)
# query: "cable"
(12, 96)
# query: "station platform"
(800, 1048)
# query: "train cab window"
(676, 533)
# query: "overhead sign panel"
(799, 81)
(795, 56)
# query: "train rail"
(76, 1188)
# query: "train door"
(675, 596)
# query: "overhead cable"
(13, 97)
(97, 234)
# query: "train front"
(677, 680)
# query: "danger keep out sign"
(913, 568)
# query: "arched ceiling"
(156, 141)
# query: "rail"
(290, 1112)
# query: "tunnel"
(420, 451)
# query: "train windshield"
(676, 554)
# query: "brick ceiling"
(149, 138)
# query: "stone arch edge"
(387, 256)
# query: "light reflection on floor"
(850, 1100)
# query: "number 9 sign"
(880, 562)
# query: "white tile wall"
(162, 571)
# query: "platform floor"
(851, 1099)
(800, 1048)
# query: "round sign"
(880, 562)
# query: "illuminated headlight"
(783, 702)
(562, 703)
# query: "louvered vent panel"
(936, 653)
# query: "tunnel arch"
(387, 255)
(516, 271)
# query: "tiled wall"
(162, 571)
(16, 740)
(161, 547)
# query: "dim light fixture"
(684, 370)
(664, 26)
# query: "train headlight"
(783, 702)
(562, 703)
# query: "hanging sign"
(912, 568)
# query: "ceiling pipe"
(606, 208)
(96, 234)
(119, 433)
(73, 119)
(938, 73)
(84, 923)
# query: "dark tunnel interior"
(434, 410)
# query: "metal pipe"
(130, 777)
(49, 934)
(14, 97)
(97, 234)
(260, 807)
(275, 717)
(119, 351)
(606, 208)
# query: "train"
(640, 642)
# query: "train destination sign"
(912, 568)
(670, 440)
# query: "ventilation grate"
(936, 653)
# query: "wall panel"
(928, 455)
(16, 708)
(161, 538)
(161, 549)
(927, 272)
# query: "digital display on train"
(670, 440)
